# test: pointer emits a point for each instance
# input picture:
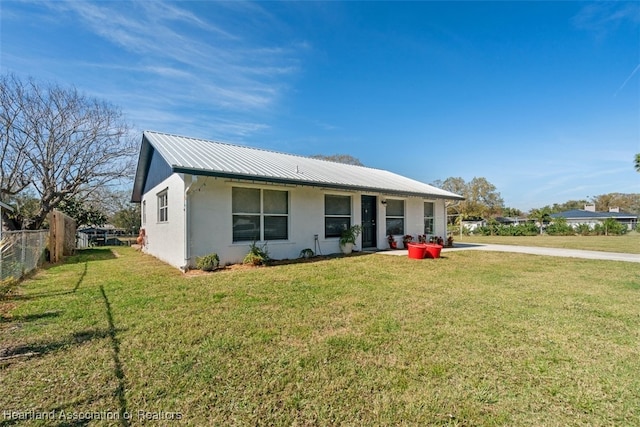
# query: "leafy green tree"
(25, 206)
(541, 216)
(482, 200)
(83, 212)
(569, 205)
(637, 162)
(583, 229)
(454, 208)
(626, 202)
(610, 227)
(493, 228)
(128, 219)
(511, 212)
(560, 227)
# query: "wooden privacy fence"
(62, 236)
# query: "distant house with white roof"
(201, 196)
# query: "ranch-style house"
(199, 197)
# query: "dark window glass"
(245, 200)
(337, 211)
(246, 228)
(254, 208)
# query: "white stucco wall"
(165, 240)
(211, 221)
(206, 213)
(414, 218)
(440, 218)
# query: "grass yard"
(471, 339)
(628, 243)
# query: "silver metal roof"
(202, 157)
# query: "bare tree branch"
(60, 143)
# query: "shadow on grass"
(29, 317)
(82, 275)
(82, 255)
(119, 372)
(20, 352)
(10, 296)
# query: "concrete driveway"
(534, 250)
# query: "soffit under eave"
(321, 185)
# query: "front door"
(369, 204)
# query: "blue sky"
(540, 98)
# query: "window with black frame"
(259, 214)
(275, 214)
(337, 214)
(395, 217)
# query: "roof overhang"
(144, 161)
(303, 183)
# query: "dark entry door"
(369, 221)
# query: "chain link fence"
(21, 252)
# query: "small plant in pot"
(348, 238)
(392, 242)
(406, 239)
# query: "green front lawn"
(628, 243)
(470, 339)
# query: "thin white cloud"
(602, 17)
(222, 65)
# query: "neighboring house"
(589, 216)
(512, 220)
(99, 236)
(200, 197)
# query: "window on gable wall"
(337, 214)
(163, 206)
(395, 217)
(259, 214)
